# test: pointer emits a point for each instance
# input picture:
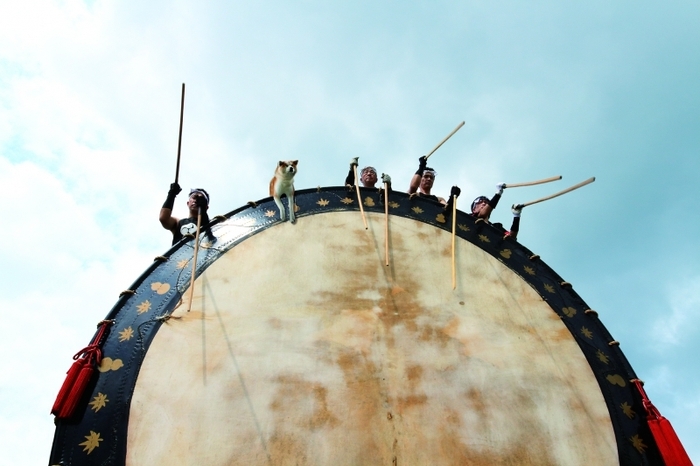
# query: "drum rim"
(112, 419)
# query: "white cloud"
(89, 112)
(683, 322)
(63, 270)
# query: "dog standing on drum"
(283, 183)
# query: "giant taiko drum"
(302, 347)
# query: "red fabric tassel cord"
(667, 441)
(79, 375)
(67, 386)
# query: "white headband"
(200, 191)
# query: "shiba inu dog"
(283, 183)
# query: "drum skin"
(303, 348)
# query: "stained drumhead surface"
(303, 347)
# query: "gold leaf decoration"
(160, 288)
(586, 333)
(347, 200)
(462, 227)
(602, 357)
(638, 443)
(549, 288)
(323, 202)
(627, 410)
(440, 218)
(182, 264)
(484, 239)
(99, 402)
(126, 334)
(529, 270)
(143, 307)
(506, 253)
(269, 213)
(369, 202)
(569, 311)
(91, 442)
(394, 204)
(296, 208)
(616, 379)
(417, 210)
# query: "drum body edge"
(99, 434)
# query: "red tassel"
(79, 375)
(77, 390)
(67, 386)
(670, 446)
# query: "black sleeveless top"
(429, 196)
(177, 232)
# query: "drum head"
(301, 346)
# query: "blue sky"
(89, 114)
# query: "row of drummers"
(422, 184)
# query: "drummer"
(368, 175)
(198, 198)
(422, 182)
(483, 206)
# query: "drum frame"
(97, 434)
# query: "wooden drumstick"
(567, 190)
(443, 141)
(454, 231)
(532, 183)
(359, 199)
(194, 260)
(179, 139)
(386, 223)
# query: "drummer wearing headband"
(368, 175)
(483, 206)
(196, 202)
(422, 182)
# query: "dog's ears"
(281, 163)
(294, 163)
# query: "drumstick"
(532, 183)
(179, 139)
(386, 223)
(194, 260)
(454, 225)
(359, 199)
(443, 141)
(576, 186)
